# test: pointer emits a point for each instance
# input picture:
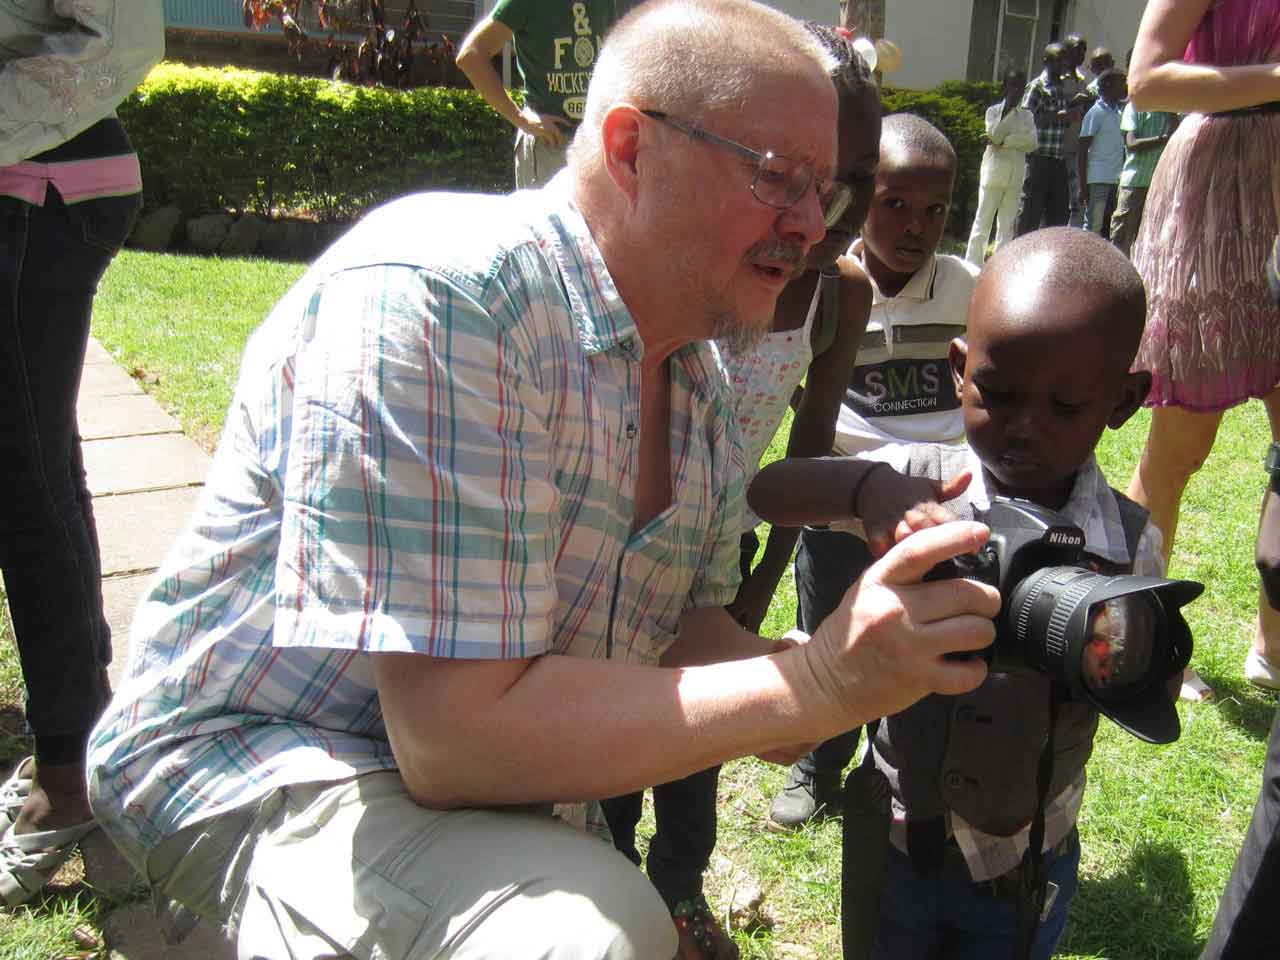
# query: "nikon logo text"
(1063, 538)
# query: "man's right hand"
(884, 647)
(548, 128)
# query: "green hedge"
(231, 139)
(962, 122)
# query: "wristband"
(862, 481)
(1271, 463)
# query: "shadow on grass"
(1148, 911)
(1246, 709)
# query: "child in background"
(1101, 156)
(817, 326)
(1145, 134)
(1011, 135)
(898, 389)
(1044, 369)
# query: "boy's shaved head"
(1054, 325)
(1039, 272)
(907, 138)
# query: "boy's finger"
(915, 556)
(950, 489)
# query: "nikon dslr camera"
(1114, 641)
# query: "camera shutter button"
(965, 714)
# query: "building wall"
(934, 38)
(1108, 23)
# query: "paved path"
(145, 476)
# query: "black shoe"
(806, 796)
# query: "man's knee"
(624, 919)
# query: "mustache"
(791, 255)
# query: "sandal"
(1194, 690)
(697, 927)
(14, 792)
(1259, 671)
(28, 861)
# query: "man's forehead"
(791, 118)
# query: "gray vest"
(977, 754)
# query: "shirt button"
(954, 780)
(964, 714)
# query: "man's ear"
(620, 139)
(956, 356)
(1137, 384)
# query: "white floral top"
(66, 64)
(761, 383)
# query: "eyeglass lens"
(781, 181)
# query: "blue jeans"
(51, 258)
(943, 915)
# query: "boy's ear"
(957, 355)
(1137, 384)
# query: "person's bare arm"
(812, 432)
(1159, 79)
(560, 728)
(475, 59)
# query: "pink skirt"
(1212, 338)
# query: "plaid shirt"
(432, 449)
(1044, 94)
(1092, 508)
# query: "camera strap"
(1033, 874)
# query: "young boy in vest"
(898, 389)
(1044, 368)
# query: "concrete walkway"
(145, 476)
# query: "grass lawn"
(1160, 825)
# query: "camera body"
(1113, 640)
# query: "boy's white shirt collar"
(919, 287)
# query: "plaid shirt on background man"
(1043, 95)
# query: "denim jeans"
(53, 257)
(943, 914)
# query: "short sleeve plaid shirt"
(1042, 95)
(431, 449)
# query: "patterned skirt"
(1212, 338)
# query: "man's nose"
(803, 222)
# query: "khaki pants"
(1128, 217)
(356, 869)
(537, 162)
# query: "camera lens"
(1119, 639)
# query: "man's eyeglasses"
(779, 181)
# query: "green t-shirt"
(556, 48)
(1139, 165)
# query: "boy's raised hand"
(884, 646)
(892, 505)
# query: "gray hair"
(690, 58)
